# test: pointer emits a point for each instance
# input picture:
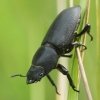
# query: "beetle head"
(35, 74)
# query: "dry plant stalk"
(86, 21)
(82, 71)
(80, 58)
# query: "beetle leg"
(70, 56)
(17, 75)
(52, 82)
(86, 29)
(64, 71)
(77, 44)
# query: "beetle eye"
(41, 74)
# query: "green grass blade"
(72, 95)
(98, 47)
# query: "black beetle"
(59, 40)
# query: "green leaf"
(72, 95)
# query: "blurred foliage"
(23, 24)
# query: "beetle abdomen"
(61, 32)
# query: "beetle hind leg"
(86, 29)
(64, 71)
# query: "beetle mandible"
(59, 40)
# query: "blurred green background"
(23, 24)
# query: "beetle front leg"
(86, 29)
(64, 71)
(52, 82)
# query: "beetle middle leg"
(69, 56)
(77, 44)
(64, 71)
(86, 29)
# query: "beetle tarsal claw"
(76, 90)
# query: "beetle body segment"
(45, 57)
(62, 31)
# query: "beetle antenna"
(17, 75)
